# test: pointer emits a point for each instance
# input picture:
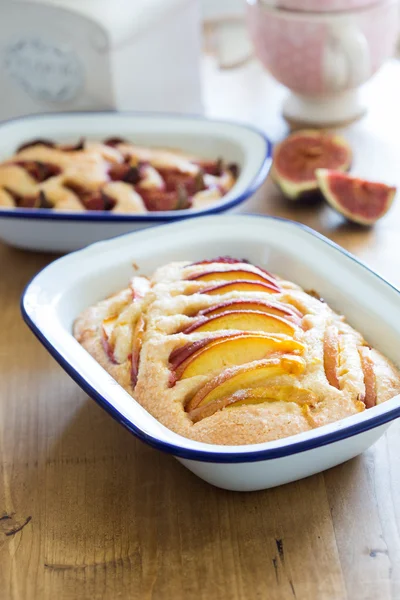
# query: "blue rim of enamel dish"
(156, 216)
(213, 456)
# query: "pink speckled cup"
(323, 57)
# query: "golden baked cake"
(224, 352)
(114, 176)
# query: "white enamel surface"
(202, 137)
(253, 476)
(62, 290)
(60, 236)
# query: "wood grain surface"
(87, 512)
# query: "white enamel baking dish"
(62, 290)
(55, 231)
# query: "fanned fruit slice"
(108, 327)
(271, 393)
(331, 355)
(228, 260)
(138, 334)
(233, 275)
(232, 351)
(281, 309)
(140, 286)
(243, 320)
(242, 285)
(360, 201)
(367, 365)
(232, 380)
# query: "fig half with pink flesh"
(360, 201)
(296, 159)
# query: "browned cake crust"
(226, 353)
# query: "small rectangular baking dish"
(62, 231)
(58, 294)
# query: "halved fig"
(22, 201)
(296, 159)
(90, 199)
(234, 169)
(78, 189)
(36, 142)
(80, 145)
(124, 172)
(174, 179)
(156, 200)
(212, 167)
(38, 200)
(40, 171)
(100, 201)
(114, 141)
(44, 201)
(360, 201)
(28, 202)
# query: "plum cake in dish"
(224, 352)
(114, 176)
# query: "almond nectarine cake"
(224, 352)
(114, 176)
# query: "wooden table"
(88, 512)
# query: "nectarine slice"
(331, 355)
(240, 378)
(181, 353)
(269, 393)
(367, 365)
(231, 351)
(228, 260)
(108, 327)
(241, 285)
(138, 334)
(243, 320)
(139, 286)
(279, 309)
(233, 275)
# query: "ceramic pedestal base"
(328, 111)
